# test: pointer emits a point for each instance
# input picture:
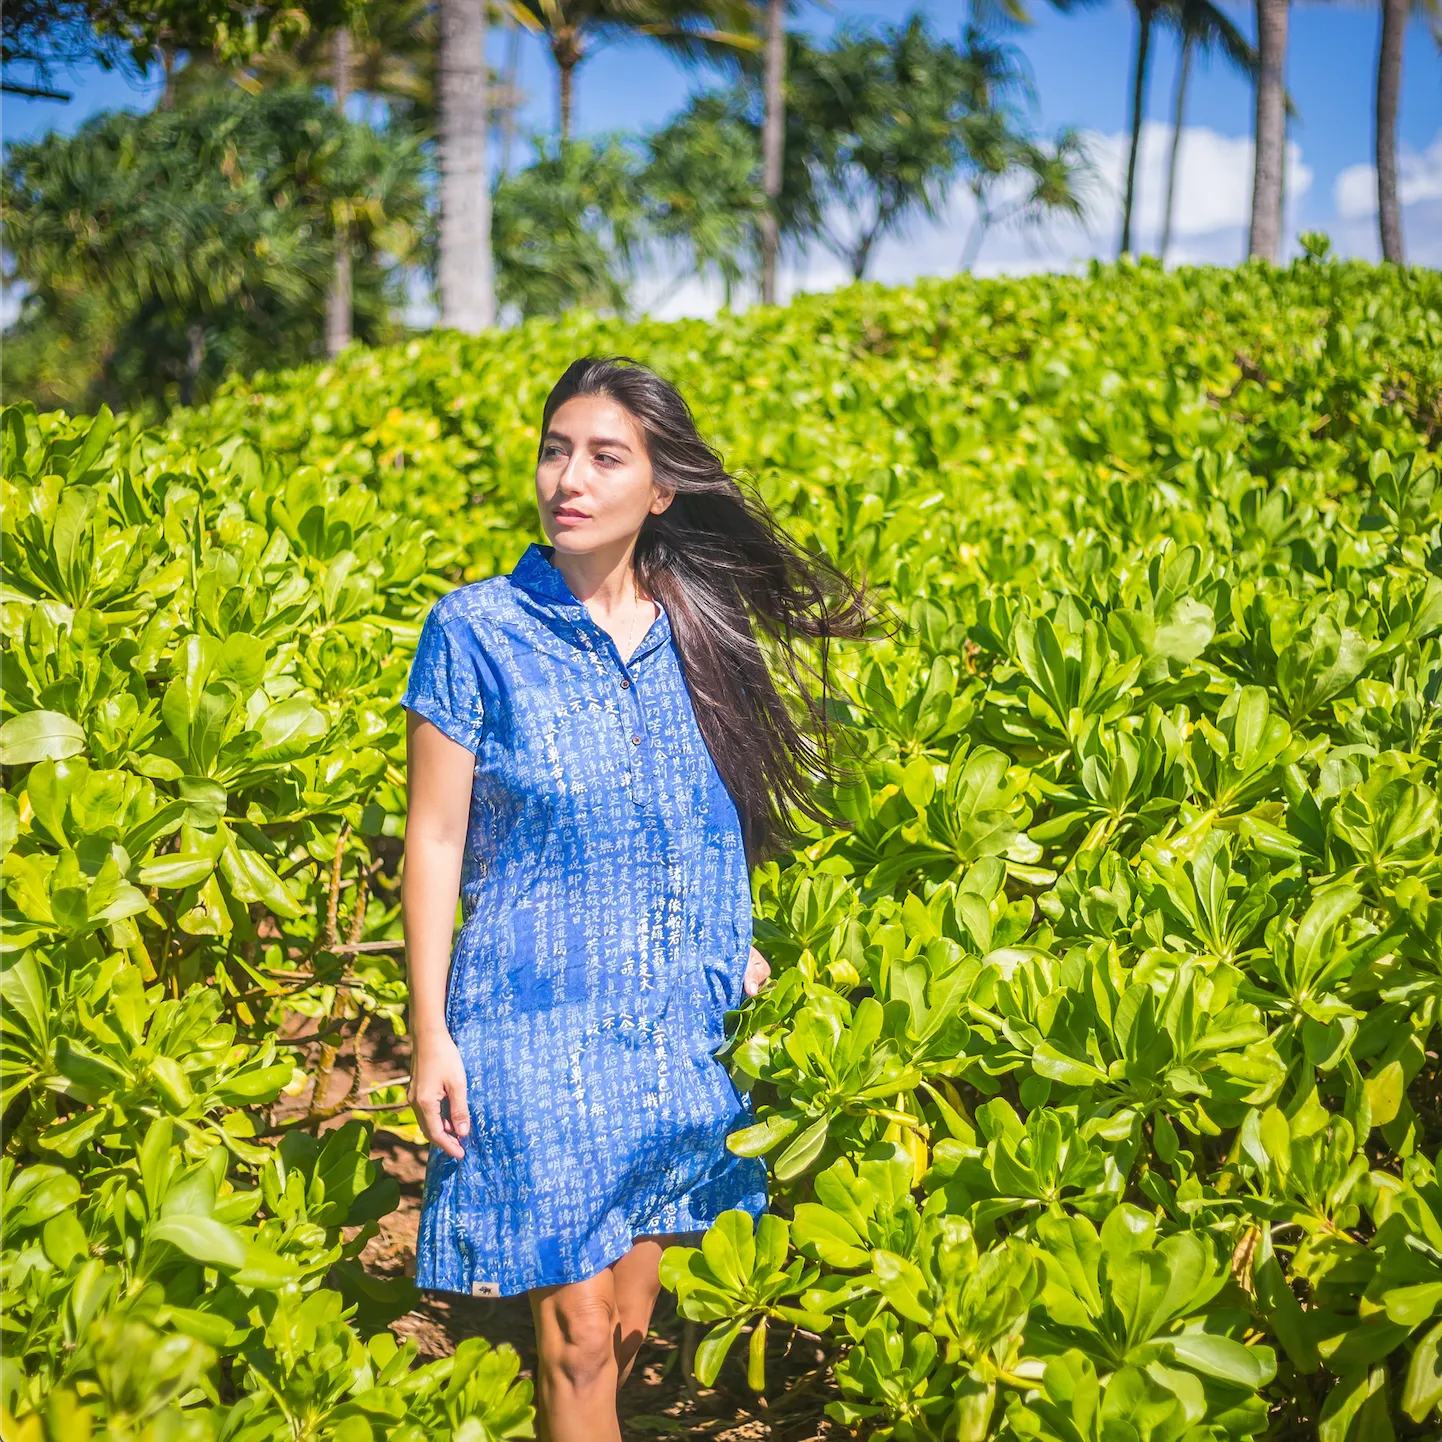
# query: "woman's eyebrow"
(615, 443)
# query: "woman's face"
(594, 484)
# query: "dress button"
(635, 740)
(625, 682)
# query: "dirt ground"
(658, 1400)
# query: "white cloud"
(1419, 178)
(1421, 234)
(1214, 190)
(1214, 177)
(1354, 192)
(663, 298)
(1214, 196)
(1213, 206)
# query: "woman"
(597, 755)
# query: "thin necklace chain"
(627, 653)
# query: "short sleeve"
(444, 684)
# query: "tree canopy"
(40, 39)
(159, 251)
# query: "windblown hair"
(718, 561)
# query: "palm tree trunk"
(467, 298)
(980, 224)
(338, 302)
(1270, 129)
(564, 72)
(1139, 86)
(1184, 67)
(1389, 86)
(772, 138)
(861, 251)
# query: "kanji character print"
(605, 930)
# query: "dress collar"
(535, 574)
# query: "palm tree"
(1068, 153)
(881, 112)
(772, 133)
(391, 49)
(466, 291)
(338, 302)
(692, 30)
(1269, 129)
(1059, 179)
(569, 228)
(700, 193)
(1146, 13)
(1389, 88)
(426, 59)
(1202, 27)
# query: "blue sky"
(1081, 65)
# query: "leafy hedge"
(1098, 1081)
(202, 755)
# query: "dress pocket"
(718, 981)
(726, 974)
(529, 987)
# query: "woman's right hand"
(437, 1074)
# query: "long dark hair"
(716, 559)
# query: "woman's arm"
(439, 777)
(758, 973)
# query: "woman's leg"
(587, 1337)
(638, 1284)
(577, 1337)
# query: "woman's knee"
(583, 1337)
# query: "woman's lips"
(570, 515)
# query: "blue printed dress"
(606, 927)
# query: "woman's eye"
(604, 457)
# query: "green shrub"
(1098, 1078)
(201, 750)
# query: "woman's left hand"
(758, 972)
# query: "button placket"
(637, 729)
(630, 713)
(595, 639)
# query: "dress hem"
(507, 1289)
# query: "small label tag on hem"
(485, 1289)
